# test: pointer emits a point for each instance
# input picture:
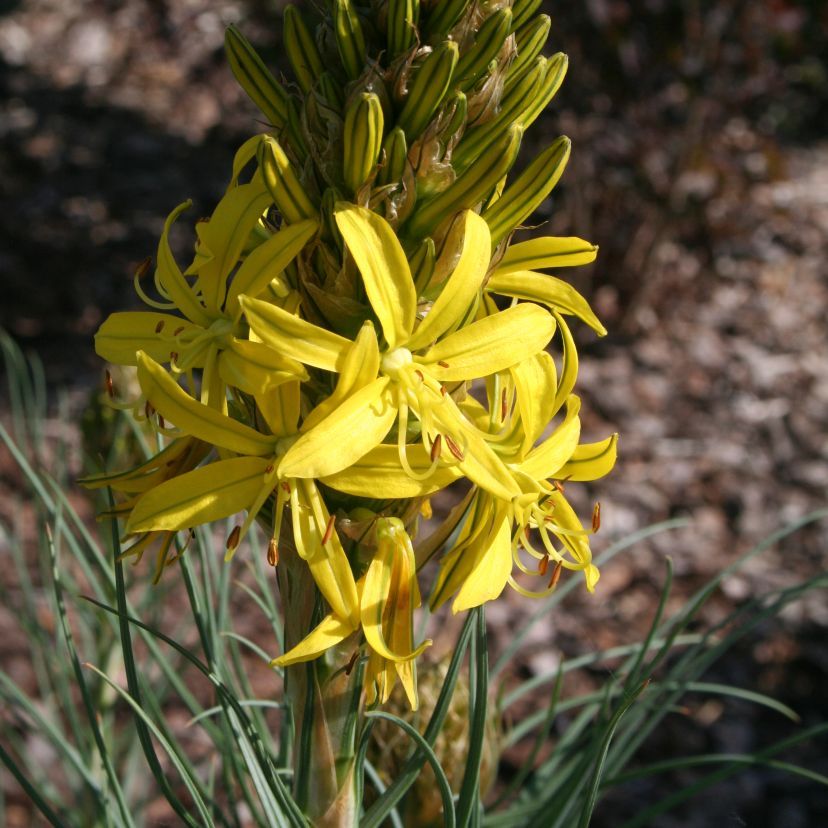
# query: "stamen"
(328, 530)
(173, 356)
(556, 575)
(442, 363)
(161, 423)
(143, 268)
(419, 374)
(149, 410)
(285, 486)
(436, 447)
(233, 540)
(177, 331)
(160, 326)
(110, 386)
(558, 486)
(543, 566)
(596, 517)
(443, 390)
(454, 448)
(272, 552)
(268, 468)
(350, 665)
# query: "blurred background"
(700, 167)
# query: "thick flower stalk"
(356, 332)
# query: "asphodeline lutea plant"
(355, 333)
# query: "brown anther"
(173, 356)
(161, 422)
(419, 374)
(556, 575)
(110, 386)
(504, 405)
(268, 468)
(558, 486)
(442, 363)
(454, 448)
(443, 390)
(203, 220)
(177, 331)
(543, 565)
(328, 530)
(272, 552)
(596, 517)
(233, 540)
(436, 447)
(160, 326)
(148, 409)
(143, 268)
(526, 533)
(350, 665)
(285, 486)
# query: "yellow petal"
(172, 279)
(378, 474)
(268, 260)
(491, 344)
(381, 261)
(185, 452)
(294, 337)
(569, 364)
(327, 562)
(590, 461)
(539, 287)
(209, 493)
(244, 155)
(360, 366)
(224, 236)
(546, 460)
(122, 335)
(280, 408)
(354, 428)
(254, 368)
(461, 287)
(479, 463)
(328, 633)
(388, 590)
(490, 572)
(175, 405)
(536, 386)
(547, 251)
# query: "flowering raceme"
(356, 332)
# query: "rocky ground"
(709, 199)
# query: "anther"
(160, 326)
(443, 390)
(143, 268)
(454, 448)
(233, 540)
(558, 486)
(173, 356)
(350, 665)
(268, 468)
(543, 565)
(596, 517)
(285, 486)
(110, 386)
(177, 331)
(161, 422)
(442, 363)
(436, 447)
(328, 530)
(272, 552)
(148, 409)
(556, 575)
(419, 374)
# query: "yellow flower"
(388, 596)
(209, 336)
(407, 375)
(243, 482)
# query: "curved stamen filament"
(402, 446)
(147, 300)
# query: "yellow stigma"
(394, 361)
